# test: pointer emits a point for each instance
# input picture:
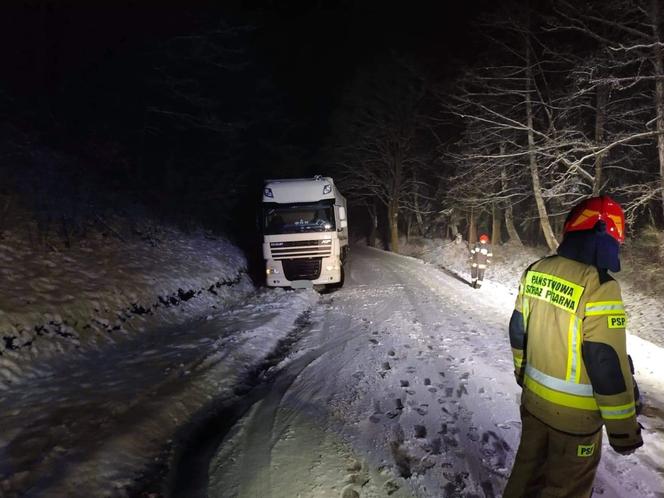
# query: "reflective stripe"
(558, 398)
(518, 362)
(573, 349)
(525, 308)
(482, 267)
(604, 308)
(585, 390)
(618, 412)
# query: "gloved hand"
(628, 450)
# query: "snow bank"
(106, 289)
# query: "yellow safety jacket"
(568, 341)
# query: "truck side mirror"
(343, 223)
(342, 213)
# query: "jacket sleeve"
(517, 330)
(605, 357)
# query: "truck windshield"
(298, 218)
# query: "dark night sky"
(80, 80)
(78, 63)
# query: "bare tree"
(512, 121)
(379, 148)
(628, 35)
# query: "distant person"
(567, 334)
(480, 257)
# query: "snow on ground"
(645, 308)
(400, 384)
(644, 305)
(104, 290)
(403, 387)
(93, 425)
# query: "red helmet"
(587, 213)
(484, 238)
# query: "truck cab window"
(296, 218)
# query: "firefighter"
(567, 334)
(480, 257)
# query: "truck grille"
(302, 268)
(300, 249)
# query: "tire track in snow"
(257, 413)
(189, 473)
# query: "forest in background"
(498, 126)
(561, 102)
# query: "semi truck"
(305, 233)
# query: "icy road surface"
(402, 387)
(399, 384)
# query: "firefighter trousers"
(552, 463)
(477, 273)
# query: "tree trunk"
(374, 226)
(600, 120)
(418, 212)
(472, 227)
(496, 225)
(549, 236)
(454, 229)
(658, 60)
(393, 222)
(393, 205)
(409, 227)
(509, 210)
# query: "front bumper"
(297, 273)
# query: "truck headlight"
(327, 189)
(271, 271)
(331, 267)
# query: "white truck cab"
(305, 232)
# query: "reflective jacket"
(568, 340)
(480, 255)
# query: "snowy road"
(93, 425)
(400, 384)
(403, 386)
